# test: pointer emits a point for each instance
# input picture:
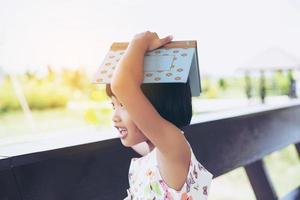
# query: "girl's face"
(129, 133)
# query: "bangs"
(108, 91)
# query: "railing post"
(260, 181)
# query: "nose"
(116, 117)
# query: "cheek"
(137, 133)
(134, 131)
(140, 135)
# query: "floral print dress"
(146, 182)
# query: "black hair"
(173, 101)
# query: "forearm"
(129, 70)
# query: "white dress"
(146, 182)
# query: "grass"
(15, 123)
(231, 186)
(283, 167)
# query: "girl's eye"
(113, 105)
(122, 106)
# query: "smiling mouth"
(123, 132)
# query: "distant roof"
(272, 59)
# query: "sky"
(73, 33)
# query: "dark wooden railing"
(98, 170)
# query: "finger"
(166, 40)
(160, 42)
(154, 33)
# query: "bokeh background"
(249, 55)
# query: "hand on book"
(149, 41)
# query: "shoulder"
(137, 163)
(138, 168)
(198, 170)
(183, 174)
(199, 179)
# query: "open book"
(175, 62)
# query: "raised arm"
(126, 83)
(173, 152)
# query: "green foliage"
(98, 94)
(75, 79)
(98, 116)
(8, 100)
(42, 95)
(276, 84)
(222, 83)
(39, 95)
(56, 89)
(209, 88)
(281, 83)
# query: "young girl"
(152, 113)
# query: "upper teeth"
(122, 129)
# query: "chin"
(132, 143)
(126, 143)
